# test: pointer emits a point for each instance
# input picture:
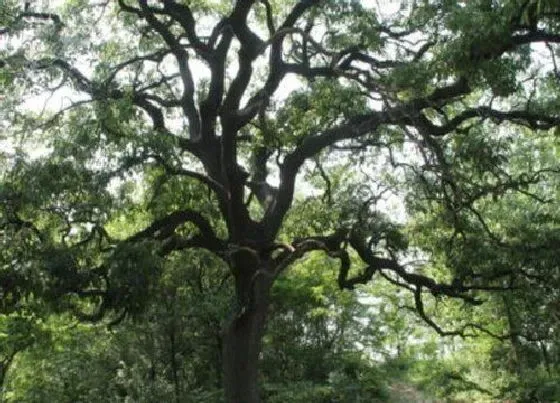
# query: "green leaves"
(17, 332)
(133, 270)
(322, 104)
(399, 137)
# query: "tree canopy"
(415, 147)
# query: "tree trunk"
(4, 367)
(242, 341)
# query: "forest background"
(280, 201)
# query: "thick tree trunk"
(242, 345)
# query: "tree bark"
(242, 341)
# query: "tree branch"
(165, 227)
(182, 57)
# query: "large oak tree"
(173, 125)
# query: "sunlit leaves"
(18, 331)
(96, 173)
(349, 23)
(323, 104)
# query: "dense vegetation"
(280, 201)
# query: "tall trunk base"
(241, 349)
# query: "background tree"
(174, 117)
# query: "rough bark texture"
(242, 344)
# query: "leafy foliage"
(189, 170)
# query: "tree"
(174, 117)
